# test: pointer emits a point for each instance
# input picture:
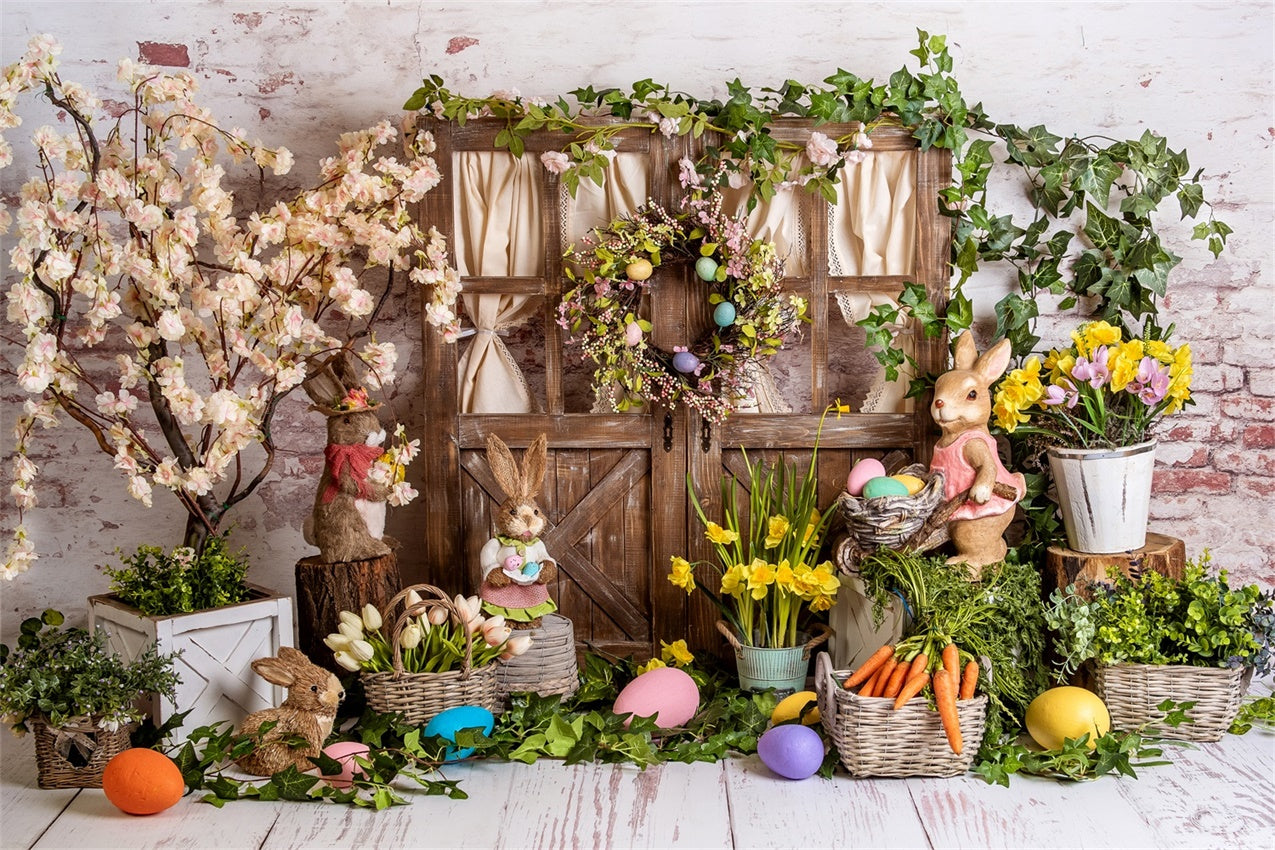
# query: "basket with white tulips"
(440, 652)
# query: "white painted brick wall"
(297, 74)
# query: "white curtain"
(499, 233)
(864, 240)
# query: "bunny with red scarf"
(966, 454)
(348, 520)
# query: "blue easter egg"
(724, 315)
(706, 268)
(792, 751)
(447, 723)
(883, 486)
(685, 362)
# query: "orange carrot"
(945, 701)
(876, 685)
(969, 680)
(952, 661)
(920, 664)
(870, 666)
(911, 688)
(895, 682)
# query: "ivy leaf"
(292, 784)
(1190, 198)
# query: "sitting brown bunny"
(348, 520)
(516, 567)
(309, 712)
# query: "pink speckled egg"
(863, 472)
(665, 693)
(344, 752)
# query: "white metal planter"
(1105, 496)
(218, 646)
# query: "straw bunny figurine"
(966, 454)
(516, 567)
(308, 711)
(348, 519)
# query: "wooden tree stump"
(324, 590)
(1163, 554)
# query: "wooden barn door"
(616, 486)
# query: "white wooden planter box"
(218, 645)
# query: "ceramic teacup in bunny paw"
(966, 454)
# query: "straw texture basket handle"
(432, 599)
(822, 633)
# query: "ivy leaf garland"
(1112, 187)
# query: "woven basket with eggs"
(888, 521)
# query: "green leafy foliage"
(997, 617)
(160, 583)
(1198, 620)
(64, 673)
(1255, 711)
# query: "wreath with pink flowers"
(742, 280)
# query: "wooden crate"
(218, 646)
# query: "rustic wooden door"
(616, 487)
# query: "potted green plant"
(1192, 640)
(197, 604)
(78, 698)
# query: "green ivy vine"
(1091, 235)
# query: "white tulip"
(371, 617)
(411, 637)
(337, 642)
(438, 616)
(413, 598)
(520, 644)
(348, 661)
(350, 631)
(362, 650)
(352, 619)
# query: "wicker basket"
(418, 697)
(548, 667)
(74, 754)
(873, 739)
(888, 521)
(1132, 692)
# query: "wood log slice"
(324, 590)
(1063, 566)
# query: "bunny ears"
(989, 366)
(333, 389)
(518, 484)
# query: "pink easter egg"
(344, 752)
(863, 472)
(632, 334)
(665, 693)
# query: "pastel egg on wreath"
(685, 362)
(724, 314)
(638, 270)
(706, 268)
(792, 751)
(345, 752)
(632, 334)
(447, 723)
(668, 694)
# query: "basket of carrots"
(909, 710)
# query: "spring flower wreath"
(742, 280)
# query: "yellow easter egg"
(790, 708)
(915, 485)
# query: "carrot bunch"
(901, 672)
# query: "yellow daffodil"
(1008, 415)
(761, 576)
(784, 577)
(1096, 335)
(682, 574)
(776, 531)
(811, 525)
(734, 581)
(1123, 361)
(1059, 364)
(719, 535)
(1160, 350)
(676, 653)
(653, 664)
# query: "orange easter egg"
(142, 782)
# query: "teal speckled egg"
(724, 314)
(883, 486)
(706, 268)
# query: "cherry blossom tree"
(167, 319)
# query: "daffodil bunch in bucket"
(767, 554)
(1095, 404)
(1107, 389)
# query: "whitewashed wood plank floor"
(1216, 796)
